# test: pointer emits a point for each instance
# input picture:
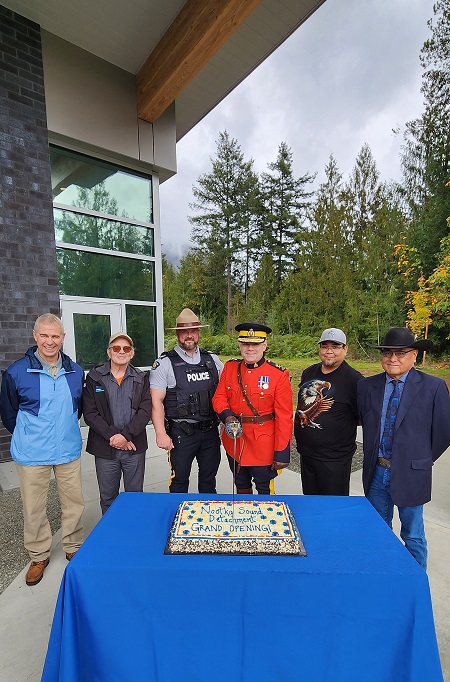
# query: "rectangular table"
(357, 608)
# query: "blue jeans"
(411, 518)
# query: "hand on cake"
(233, 428)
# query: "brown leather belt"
(385, 463)
(257, 420)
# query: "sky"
(349, 75)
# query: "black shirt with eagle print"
(326, 417)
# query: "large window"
(95, 275)
(78, 180)
(104, 232)
(90, 230)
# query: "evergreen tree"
(172, 292)
(285, 201)
(426, 153)
(313, 295)
(376, 224)
(221, 227)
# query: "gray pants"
(109, 473)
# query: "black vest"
(195, 385)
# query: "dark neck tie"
(389, 422)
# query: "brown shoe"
(36, 571)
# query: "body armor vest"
(191, 398)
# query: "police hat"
(187, 319)
(252, 332)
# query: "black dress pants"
(325, 477)
(204, 446)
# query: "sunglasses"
(126, 349)
(397, 353)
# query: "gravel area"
(357, 461)
(13, 556)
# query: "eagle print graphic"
(312, 402)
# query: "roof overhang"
(193, 53)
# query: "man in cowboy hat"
(182, 383)
(405, 415)
(254, 401)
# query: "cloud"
(347, 76)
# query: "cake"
(239, 527)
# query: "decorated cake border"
(276, 544)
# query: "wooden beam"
(199, 30)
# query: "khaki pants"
(34, 482)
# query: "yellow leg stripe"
(272, 483)
(172, 475)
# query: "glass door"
(88, 327)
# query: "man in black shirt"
(326, 418)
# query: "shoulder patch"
(155, 364)
(273, 364)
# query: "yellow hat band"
(251, 334)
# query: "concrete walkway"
(26, 613)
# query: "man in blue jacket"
(405, 415)
(40, 405)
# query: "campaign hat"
(252, 332)
(187, 319)
(402, 337)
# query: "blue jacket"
(422, 433)
(42, 413)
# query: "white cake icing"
(239, 527)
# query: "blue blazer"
(422, 433)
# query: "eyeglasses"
(126, 349)
(397, 353)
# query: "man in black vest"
(182, 383)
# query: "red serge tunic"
(269, 388)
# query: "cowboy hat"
(401, 337)
(187, 319)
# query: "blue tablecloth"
(357, 608)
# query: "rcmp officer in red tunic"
(254, 401)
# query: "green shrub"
(287, 346)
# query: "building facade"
(93, 98)
(79, 210)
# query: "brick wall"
(28, 270)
